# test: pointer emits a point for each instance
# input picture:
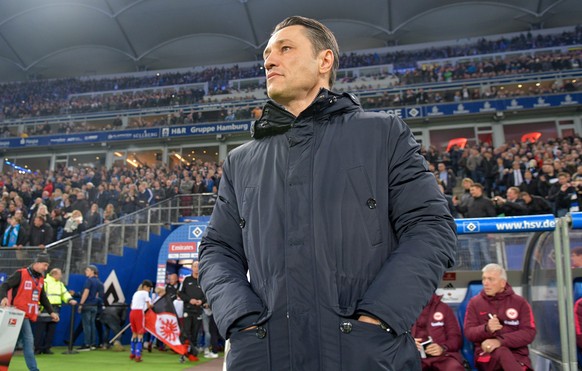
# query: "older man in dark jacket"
(334, 215)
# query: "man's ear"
(326, 60)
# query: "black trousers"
(44, 332)
(192, 324)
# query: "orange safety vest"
(28, 294)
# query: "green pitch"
(108, 360)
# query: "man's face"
(493, 283)
(40, 267)
(512, 195)
(441, 167)
(38, 222)
(476, 191)
(291, 66)
(173, 278)
(576, 260)
(195, 269)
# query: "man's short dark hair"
(478, 185)
(577, 251)
(320, 36)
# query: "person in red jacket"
(27, 290)
(578, 322)
(438, 322)
(500, 324)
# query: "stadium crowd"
(513, 179)
(56, 97)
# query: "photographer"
(512, 206)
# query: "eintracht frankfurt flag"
(162, 322)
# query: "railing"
(92, 246)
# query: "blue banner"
(576, 220)
(493, 105)
(512, 224)
(127, 135)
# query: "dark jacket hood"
(277, 120)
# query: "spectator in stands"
(128, 200)
(41, 233)
(535, 205)
(74, 224)
(529, 184)
(514, 176)
(81, 203)
(290, 199)
(500, 324)
(465, 197)
(158, 192)
(446, 177)
(57, 223)
(512, 205)
(489, 165)
(45, 327)
(478, 206)
(439, 324)
(92, 218)
(109, 214)
(561, 194)
(576, 257)
(15, 234)
(144, 196)
(3, 217)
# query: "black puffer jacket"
(333, 213)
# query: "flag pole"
(120, 333)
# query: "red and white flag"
(162, 322)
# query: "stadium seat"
(473, 289)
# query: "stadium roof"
(55, 38)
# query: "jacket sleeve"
(526, 331)
(223, 263)
(425, 231)
(452, 328)
(65, 295)
(475, 330)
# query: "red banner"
(162, 322)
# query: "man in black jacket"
(193, 298)
(41, 233)
(535, 205)
(335, 216)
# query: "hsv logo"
(12, 322)
(28, 285)
(511, 313)
(438, 316)
(178, 247)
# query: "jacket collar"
(277, 120)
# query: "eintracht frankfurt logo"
(438, 316)
(511, 313)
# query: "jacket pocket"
(249, 350)
(367, 204)
(365, 346)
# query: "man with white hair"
(500, 324)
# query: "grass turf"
(105, 360)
